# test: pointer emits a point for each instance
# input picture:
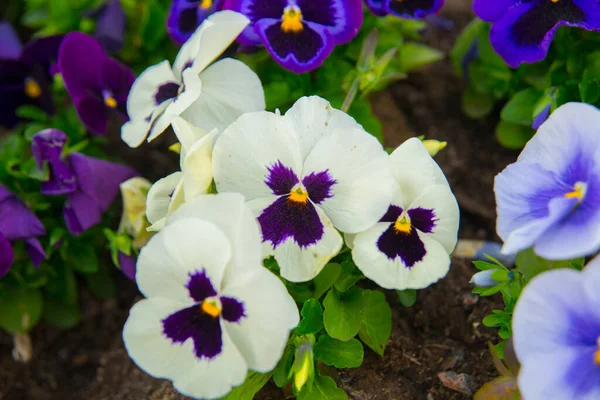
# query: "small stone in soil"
(469, 300)
(457, 382)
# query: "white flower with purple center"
(305, 175)
(556, 333)
(550, 197)
(410, 246)
(212, 311)
(209, 96)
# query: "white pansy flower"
(210, 96)
(305, 174)
(212, 311)
(410, 246)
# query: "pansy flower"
(194, 179)
(410, 246)
(550, 197)
(404, 8)
(209, 96)
(25, 73)
(299, 34)
(98, 84)
(110, 25)
(212, 311)
(556, 333)
(90, 184)
(305, 175)
(186, 15)
(17, 222)
(522, 30)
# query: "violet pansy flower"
(405, 8)
(17, 222)
(110, 25)
(556, 333)
(410, 246)
(522, 30)
(98, 84)
(299, 34)
(90, 184)
(186, 15)
(550, 197)
(305, 175)
(25, 73)
(212, 310)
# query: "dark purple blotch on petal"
(319, 185)
(281, 179)
(233, 309)
(414, 8)
(186, 15)
(423, 219)
(166, 91)
(200, 287)
(7, 256)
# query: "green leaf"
(408, 297)
(281, 373)
(323, 388)
(376, 326)
(339, 354)
(326, 278)
(477, 105)
(63, 285)
(513, 136)
(102, 283)
(463, 44)
(519, 109)
(83, 257)
(530, 264)
(254, 382)
(412, 56)
(20, 309)
(59, 314)
(312, 318)
(33, 113)
(343, 313)
(349, 276)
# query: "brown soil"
(442, 332)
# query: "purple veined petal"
(200, 287)
(7, 256)
(422, 219)
(392, 214)
(407, 246)
(492, 10)
(319, 186)
(10, 44)
(42, 50)
(110, 26)
(99, 179)
(298, 52)
(255, 10)
(80, 60)
(61, 181)
(413, 8)
(233, 309)
(377, 7)
(35, 250)
(342, 18)
(47, 145)
(17, 221)
(81, 212)
(281, 179)
(128, 265)
(93, 113)
(117, 80)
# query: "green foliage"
(253, 383)
(323, 388)
(530, 264)
(312, 318)
(339, 354)
(407, 298)
(343, 313)
(21, 309)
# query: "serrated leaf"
(323, 388)
(376, 326)
(339, 354)
(312, 318)
(343, 313)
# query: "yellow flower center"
(205, 4)
(211, 307)
(292, 20)
(555, 1)
(578, 192)
(110, 102)
(299, 195)
(32, 88)
(402, 224)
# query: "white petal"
(187, 134)
(232, 216)
(270, 315)
(250, 145)
(313, 117)
(440, 199)
(135, 131)
(141, 102)
(197, 167)
(364, 183)
(394, 274)
(159, 197)
(181, 248)
(229, 89)
(414, 169)
(159, 357)
(210, 40)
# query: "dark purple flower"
(405, 8)
(186, 15)
(299, 34)
(24, 73)
(522, 30)
(110, 25)
(90, 184)
(17, 222)
(98, 84)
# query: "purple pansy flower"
(17, 222)
(404, 8)
(550, 197)
(110, 25)
(24, 73)
(299, 34)
(556, 327)
(90, 184)
(186, 15)
(97, 83)
(522, 30)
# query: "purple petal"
(128, 265)
(93, 113)
(541, 117)
(407, 246)
(110, 26)
(492, 10)
(47, 145)
(200, 287)
(414, 8)
(6, 255)
(377, 7)
(42, 50)
(10, 44)
(185, 16)
(392, 214)
(281, 179)
(117, 78)
(423, 219)
(318, 186)
(61, 181)
(255, 10)
(80, 60)
(233, 309)
(35, 250)
(17, 221)
(342, 18)
(81, 212)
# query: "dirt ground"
(441, 333)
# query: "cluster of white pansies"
(211, 312)
(306, 175)
(410, 246)
(209, 96)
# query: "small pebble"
(457, 382)
(469, 300)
